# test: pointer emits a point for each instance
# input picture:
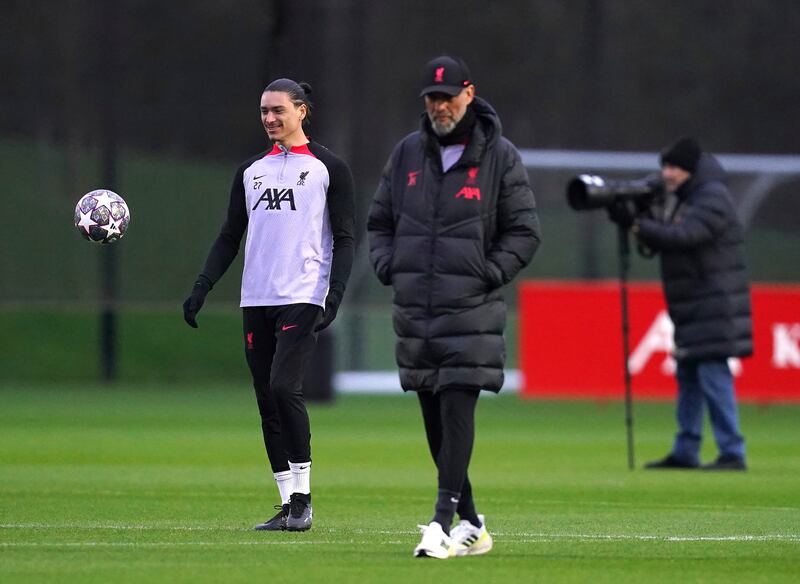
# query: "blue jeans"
(700, 383)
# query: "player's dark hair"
(298, 93)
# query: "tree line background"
(159, 100)
(590, 74)
(179, 82)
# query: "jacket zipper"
(283, 166)
(439, 178)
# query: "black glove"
(332, 303)
(622, 213)
(194, 303)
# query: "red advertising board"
(571, 342)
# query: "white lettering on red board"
(786, 345)
(659, 338)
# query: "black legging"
(279, 344)
(449, 417)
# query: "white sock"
(301, 471)
(285, 482)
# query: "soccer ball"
(102, 216)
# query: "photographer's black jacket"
(703, 268)
(446, 242)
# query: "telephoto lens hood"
(592, 191)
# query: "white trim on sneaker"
(435, 542)
(468, 540)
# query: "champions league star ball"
(102, 216)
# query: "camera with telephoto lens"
(590, 191)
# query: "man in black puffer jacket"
(453, 220)
(701, 246)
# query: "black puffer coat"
(447, 242)
(703, 268)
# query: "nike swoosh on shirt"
(287, 327)
(258, 177)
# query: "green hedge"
(62, 345)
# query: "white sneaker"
(468, 540)
(435, 542)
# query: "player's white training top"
(297, 207)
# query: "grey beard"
(442, 129)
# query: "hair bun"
(305, 87)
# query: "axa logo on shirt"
(273, 199)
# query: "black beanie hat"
(685, 153)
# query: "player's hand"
(332, 303)
(194, 303)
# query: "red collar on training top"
(302, 149)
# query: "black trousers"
(449, 417)
(279, 342)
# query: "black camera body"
(590, 191)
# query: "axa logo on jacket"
(469, 193)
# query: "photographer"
(700, 243)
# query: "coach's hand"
(332, 303)
(194, 303)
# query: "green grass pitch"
(163, 484)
